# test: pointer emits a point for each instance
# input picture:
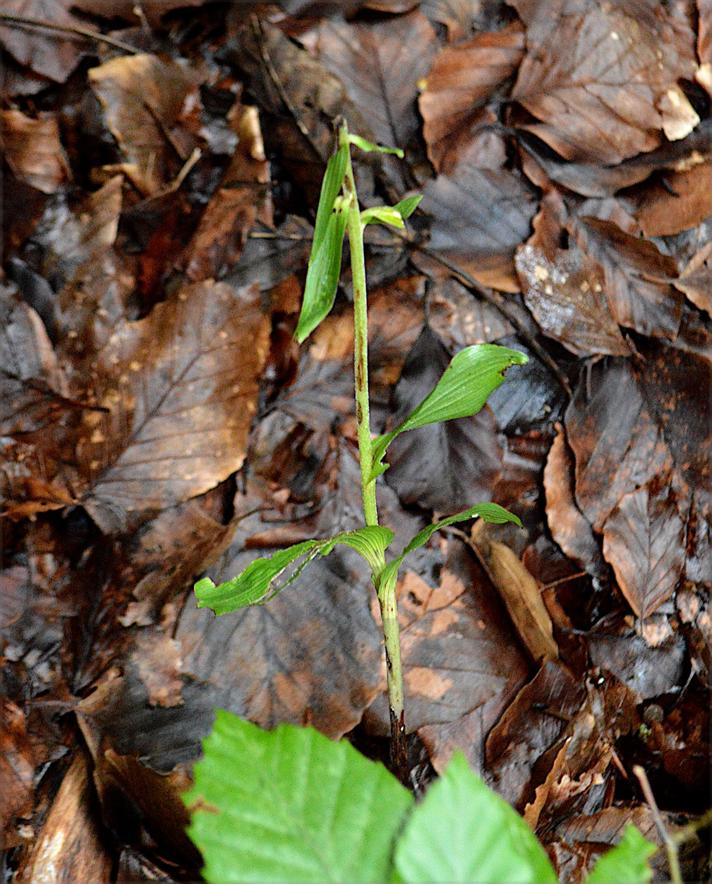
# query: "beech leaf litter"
(159, 423)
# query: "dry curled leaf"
(521, 594)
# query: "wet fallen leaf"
(229, 216)
(564, 289)
(462, 79)
(179, 385)
(568, 526)
(49, 54)
(144, 101)
(599, 97)
(637, 277)
(643, 541)
(479, 217)
(70, 843)
(380, 64)
(696, 279)
(33, 149)
(531, 725)
(17, 764)
(462, 661)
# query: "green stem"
(358, 275)
(386, 594)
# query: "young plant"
(461, 392)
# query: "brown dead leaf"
(17, 764)
(70, 845)
(33, 150)
(380, 64)
(158, 661)
(181, 388)
(569, 527)
(144, 101)
(684, 202)
(564, 288)
(52, 55)
(461, 80)
(637, 277)
(479, 217)
(696, 279)
(461, 660)
(520, 593)
(646, 671)
(602, 79)
(243, 197)
(643, 541)
(531, 725)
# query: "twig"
(670, 845)
(23, 21)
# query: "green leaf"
(407, 206)
(488, 512)
(463, 831)
(323, 274)
(370, 147)
(330, 189)
(626, 863)
(471, 376)
(383, 215)
(255, 585)
(290, 805)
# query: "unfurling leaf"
(488, 512)
(407, 206)
(369, 146)
(382, 215)
(627, 862)
(393, 215)
(471, 376)
(255, 584)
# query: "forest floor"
(159, 422)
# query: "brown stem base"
(399, 748)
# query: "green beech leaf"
(370, 147)
(407, 206)
(471, 376)
(323, 275)
(463, 832)
(255, 585)
(291, 805)
(626, 863)
(488, 512)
